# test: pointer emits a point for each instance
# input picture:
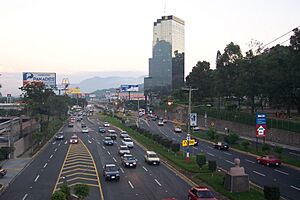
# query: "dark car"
(111, 172)
(200, 193)
(108, 141)
(102, 130)
(70, 125)
(129, 160)
(83, 125)
(268, 160)
(59, 136)
(221, 146)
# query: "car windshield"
(129, 158)
(74, 137)
(123, 148)
(111, 168)
(205, 194)
(152, 155)
(127, 140)
(107, 138)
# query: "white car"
(106, 124)
(123, 150)
(85, 130)
(196, 128)
(111, 131)
(160, 123)
(151, 158)
(128, 142)
(177, 130)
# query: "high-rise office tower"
(166, 67)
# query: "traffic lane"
(38, 178)
(146, 178)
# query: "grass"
(215, 179)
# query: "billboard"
(49, 79)
(73, 91)
(129, 88)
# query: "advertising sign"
(129, 88)
(49, 79)
(73, 91)
(184, 143)
(193, 119)
(261, 125)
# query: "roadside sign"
(261, 125)
(184, 143)
(193, 119)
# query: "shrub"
(232, 138)
(278, 150)
(211, 134)
(58, 195)
(271, 192)
(266, 148)
(81, 190)
(66, 190)
(201, 159)
(168, 143)
(175, 147)
(212, 165)
(245, 144)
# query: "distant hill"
(98, 83)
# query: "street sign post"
(184, 143)
(193, 119)
(261, 127)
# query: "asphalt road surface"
(286, 178)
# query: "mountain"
(98, 83)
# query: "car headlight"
(117, 174)
(127, 163)
(134, 163)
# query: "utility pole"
(188, 136)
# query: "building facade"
(166, 67)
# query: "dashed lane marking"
(210, 154)
(25, 196)
(130, 184)
(45, 165)
(295, 187)
(259, 173)
(37, 177)
(250, 161)
(282, 172)
(229, 162)
(145, 168)
(158, 183)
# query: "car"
(102, 130)
(85, 130)
(111, 172)
(123, 150)
(196, 128)
(124, 135)
(108, 141)
(165, 121)
(83, 125)
(129, 160)
(128, 142)
(151, 158)
(79, 119)
(160, 123)
(70, 125)
(112, 134)
(177, 130)
(74, 139)
(106, 124)
(268, 160)
(59, 136)
(221, 146)
(200, 193)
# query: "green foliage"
(245, 144)
(81, 190)
(201, 159)
(175, 147)
(212, 165)
(66, 190)
(266, 148)
(58, 195)
(278, 150)
(271, 192)
(212, 134)
(232, 138)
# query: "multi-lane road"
(286, 178)
(60, 162)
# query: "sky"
(80, 36)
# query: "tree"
(59, 195)
(81, 190)
(201, 159)
(66, 190)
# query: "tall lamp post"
(188, 136)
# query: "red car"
(199, 193)
(268, 160)
(74, 139)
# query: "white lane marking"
(114, 159)
(122, 170)
(55, 149)
(195, 148)
(281, 172)
(45, 165)
(90, 141)
(59, 144)
(210, 147)
(37, 177)
(103, 147)
(157, 182)
(295, 187)
(108, 152)
(51, 156)
(250, 161)
(130, 184)
(93, 139)
(88, 135)
(54, 143)
(229, 162)
(259, 173)
(66, 142)
(145, 169)
(210, 154)
(98, 142)
(296, 154)
(228, 153)
(25, 196)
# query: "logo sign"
(129, 88)
(73, 91)
(49, 79)
(261, 125)
(193, 119)
(184, 143)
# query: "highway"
(286, 178)
(60, 162)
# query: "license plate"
(154, 163)
(113, 177)
(130, 164)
